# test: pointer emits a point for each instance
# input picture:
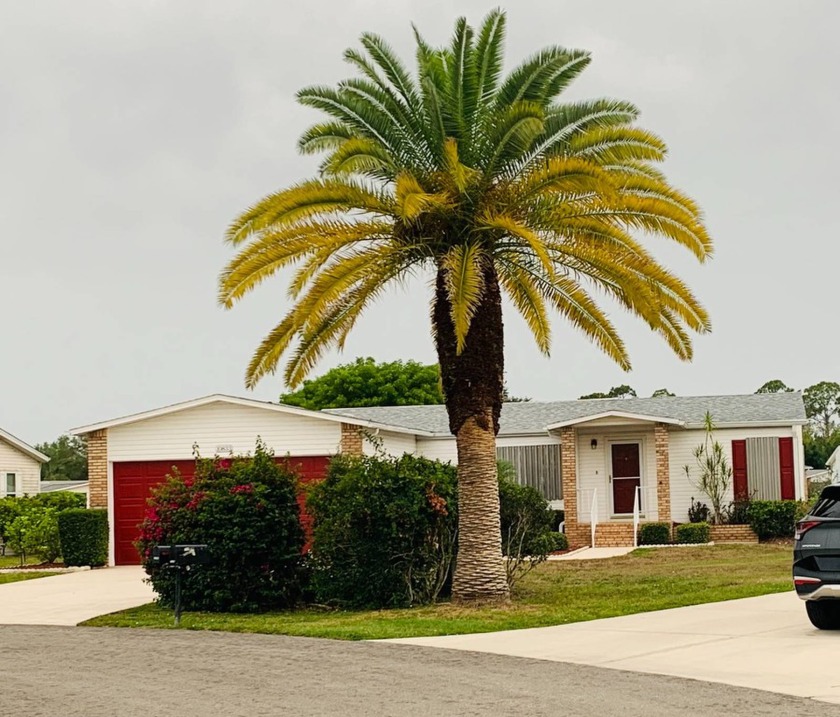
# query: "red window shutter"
(739, 470)
(786, 468)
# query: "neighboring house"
(20, 466)
(833, 465)
(71, 486)
(580, 454)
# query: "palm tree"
(492, 185)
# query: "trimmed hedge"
(654, 533)
(84, 536)
(692, 533)
(773, 518)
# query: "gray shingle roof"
(533, 417)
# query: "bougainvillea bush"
(245, 510)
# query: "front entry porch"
(608, 463)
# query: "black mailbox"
(180, 555)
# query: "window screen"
(536, 466)
(11, 484)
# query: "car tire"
(824, 614)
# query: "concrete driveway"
(765, 643)
(70, 598)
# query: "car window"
(827, 508)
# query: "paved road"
(88, 672)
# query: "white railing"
(593, 515)
(636, 515)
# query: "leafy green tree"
(774, 386)
(367, 383)
(818, 448)
(68, 459)
(623, 391)
(822, 406)
(661, 393)
(487, 183)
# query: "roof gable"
(234, 400)
(23, 447)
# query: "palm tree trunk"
(472, 386)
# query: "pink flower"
(247, 488)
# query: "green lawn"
(13, 561)
(553, 594)
(26, 575)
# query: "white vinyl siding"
(681, 446)
(27, 470)
(393, 444)
(222, 425)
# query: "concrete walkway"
(765, 643)
(71, 598)
(592, 554)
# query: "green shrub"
(559, 517)
(59, 500)
(10, 508)
(692, 533)
(698, 512)
(654, 533)
(556, 542)
(245, 510)
(736, 513)
(384, 531)
(527, 525)
(83, 535)
(774, 518)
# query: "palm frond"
(465, 287)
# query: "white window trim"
(5, 475)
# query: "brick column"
(352, 440)
(663, 472)
(568, 474)
(97, 457)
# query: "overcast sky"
(132, 133)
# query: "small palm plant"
(489, 184)
(714, 474)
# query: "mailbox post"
(180, 558)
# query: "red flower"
(247, 488)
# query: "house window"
(536, 466)
(11, 484)
(762, 469)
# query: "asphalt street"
(103, 672)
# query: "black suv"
(816, 560)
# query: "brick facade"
(663, 472)
(97, 455)
(732, 534)
(576, 533)
(352, 439)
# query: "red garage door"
(133, 481)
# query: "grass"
(25, 575)
(553, 594)
(13, 561)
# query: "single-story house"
(20, 466)
(71, 486)
(590, 457)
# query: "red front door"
(134, 480)
(625, 475)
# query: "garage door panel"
(134, 480)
